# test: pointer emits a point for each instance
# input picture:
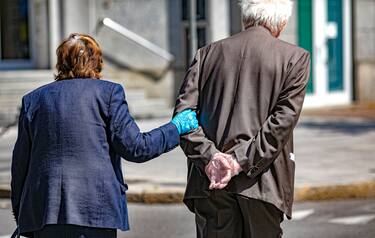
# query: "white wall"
(290, 32)
(364, 56)
(219, 18)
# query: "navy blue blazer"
(66, 166)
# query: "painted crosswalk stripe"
(353, 220)
(299, 215)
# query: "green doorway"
(335, 46)
(305, 33)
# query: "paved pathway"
(329, 151)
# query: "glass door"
(335, 45)
(324, 29)
(305, 33)
(15, 50)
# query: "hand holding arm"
(127, 139)
(185, 121)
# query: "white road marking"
(6, 236)
(299, 215)
(353, 220)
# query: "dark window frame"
(24, 20)
(202, 27)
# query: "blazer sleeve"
(257, 154)
(126, 137)
(20, 161)
(196, 146)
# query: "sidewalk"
(364, 110)
(335, 158)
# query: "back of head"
(272, 14)
(79, 56)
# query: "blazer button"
(252, 170)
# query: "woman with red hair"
(66, 168)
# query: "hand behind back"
(221, 169)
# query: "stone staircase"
(15, 84)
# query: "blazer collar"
(259, 29)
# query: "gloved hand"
(185, 121)
(221, 169)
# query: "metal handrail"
(116, 27)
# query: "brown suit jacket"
(248, 91)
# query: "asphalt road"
(341, 219)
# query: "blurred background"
(147, 46)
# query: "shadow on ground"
(347, 127)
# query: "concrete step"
(12, 95)
(15, 84)
(149, 108)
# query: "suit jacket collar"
(258, 29)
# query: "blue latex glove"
(185, 121)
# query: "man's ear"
(281, 28)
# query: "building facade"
(364, 50)
(340, 35)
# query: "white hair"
(272, 14)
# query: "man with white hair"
(248, 91)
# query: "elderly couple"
(247, 92)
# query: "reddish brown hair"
(79, 56)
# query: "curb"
(323, 193)
(165, 197)
(4, 192)
(349, 191)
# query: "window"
(201, 10)
(201, 26)
(201, 35)
(14, 30)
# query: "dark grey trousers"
(72, 231)
(224, 215)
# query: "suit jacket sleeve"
(126, 137)
(20, 161)
(257, 154)
(197, 147)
